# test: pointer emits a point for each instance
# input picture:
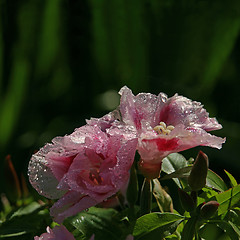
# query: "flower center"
(94, 176)
(162, 128)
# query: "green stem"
(132, 191)
(146, 197)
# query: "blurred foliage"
(62, 61)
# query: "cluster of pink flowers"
(92, 164)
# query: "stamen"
(162, 128)
(170, 127)
(94, 177)
(163, 124)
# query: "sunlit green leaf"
(227, 199)
(206, 194)
(232, 179)
(172, 237)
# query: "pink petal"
(181, 110)
(125, 157)
(155, 148)
(144, 107)
(107, 121)
(57, 233)
(69, 205)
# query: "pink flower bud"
(209, 209)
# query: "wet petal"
(181, 110)
(40, 175)
(57, 233)
(143, 108)
(69, 205)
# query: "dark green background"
(62, 61)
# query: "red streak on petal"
(164, 144)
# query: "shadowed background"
(63, 61)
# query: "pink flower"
(83, 169)
(57, 233)
(166, 125)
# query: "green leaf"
(231, 229)
(30, 208)
(156, 225)
(211, 231)
(180, 173)
(206, 194)
(215, 181)
(232, 179)
(227, 199)
(30, 219)
(163, 199)
(233, 215)
(172, 237)
(189, 229)
(103, 223)
(172, 163)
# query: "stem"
(121, 200)
(194, 197)
(132, 191)
(146, 197)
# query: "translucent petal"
(41, 176)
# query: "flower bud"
(209, 209)
(186, 200)
(148, 170)
(198, 175)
